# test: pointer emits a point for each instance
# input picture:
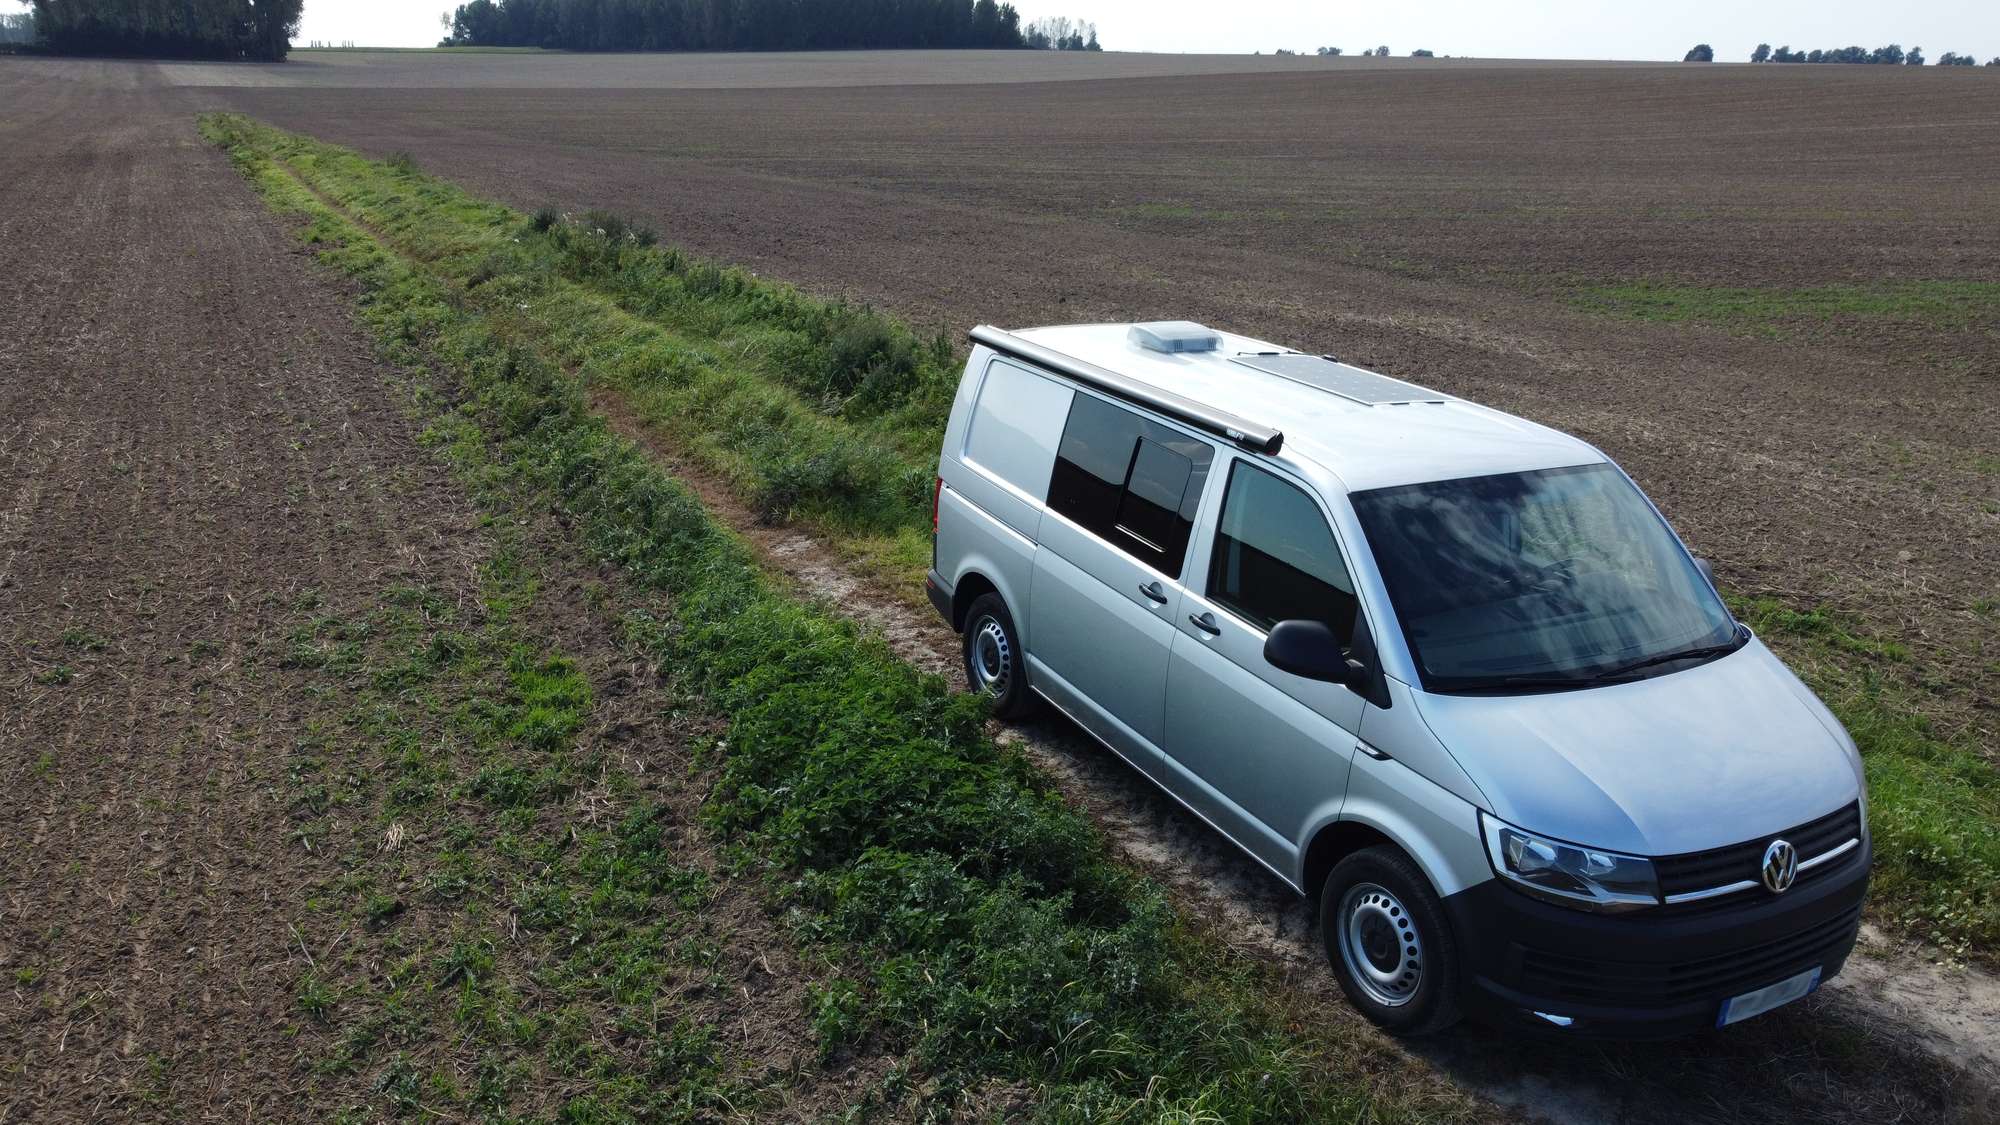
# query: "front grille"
(1586, 980)
(1719, 867)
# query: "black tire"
(993, 658)
(1379, 908)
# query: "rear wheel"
(994, 663)
(1389, 942)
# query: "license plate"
(1738, 1008)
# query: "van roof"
(1369, 430)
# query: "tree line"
(1366, 52)
(1060, 34)
(202, 29)
(1891, 55)
(757, 25)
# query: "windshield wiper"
(1616, 674)
(1703, 652)
(1514, 683)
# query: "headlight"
(1586, 878)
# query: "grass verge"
(983, 932)
(830, 414)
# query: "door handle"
(1205, 622)
(1152, 590)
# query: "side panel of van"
(1262, 753)
(1122, 499)
(998, 451)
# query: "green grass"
(1947, 304)
(1934, 800)
(820, 412)
(829, 414)
(482, 926)
(981, 931)
(78, 637)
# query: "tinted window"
(1556, 573)
(1130, 481)
(1017, 420)
(1275, 558)
(1150, 509)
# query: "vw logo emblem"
(1781, 866)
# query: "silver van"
(1445, 669)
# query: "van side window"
(1014, 424)
(1274, 557)
(1130, 481)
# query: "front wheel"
(994, 662)
(1390, 943)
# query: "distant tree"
(1420, 53)
(1915, 57)
(1762, 53)
(1815, 55)
(1381, 52)
(1951, 59)
(1994, 61)
(1328, 52)
(1284, 51)
(1892, 55)
(1702, 52)
(17, 27)
(985, 23)
(1060, 33)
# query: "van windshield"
(1527, 581)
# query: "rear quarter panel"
(999, 450)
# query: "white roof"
(1364, 446)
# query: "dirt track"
(1428, 221)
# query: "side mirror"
(1707, 571)
(1309, 649)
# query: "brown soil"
(750, 69)
(195, 438)
(1427, 221)
(198, 453)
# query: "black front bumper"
(1653, 973)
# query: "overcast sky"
(1568, 29)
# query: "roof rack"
(1249, 435)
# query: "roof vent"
(1174, 336)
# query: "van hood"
(1682, 762)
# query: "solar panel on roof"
(1365, 387)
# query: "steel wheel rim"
(992, 663)
(1379, 945)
